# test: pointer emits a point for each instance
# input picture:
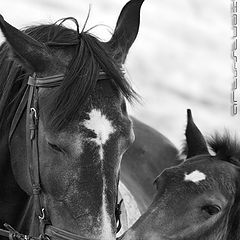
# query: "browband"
(46, 82)
(55, 80)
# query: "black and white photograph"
(119, 120)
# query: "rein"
(30, 101)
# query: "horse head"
(75, 89)
(199, 198)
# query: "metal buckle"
(34, 112)
(41, 218)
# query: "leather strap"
(33, 156)
(4, 233)
(118, 209)
(46, 82)
(56, 80)
(32, 145)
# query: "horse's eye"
(211, 209)
(55, 147)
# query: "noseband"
(30, 100)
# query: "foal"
(198, 199)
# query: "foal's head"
(198, 199)
(84, 128)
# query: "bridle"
(30, 102)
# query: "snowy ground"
(180, 60)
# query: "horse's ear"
(30, 53)
(196, 143)
(126, 30)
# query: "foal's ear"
(126, 30)
(30, 53)
(196, 143)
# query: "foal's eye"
(211, 209)
(55, 147)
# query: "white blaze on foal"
(195, 176)
(103, 128)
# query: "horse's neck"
(12, 199)
(129, 208)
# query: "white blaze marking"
(195, 176)
(103, 128)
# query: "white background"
(181, 58)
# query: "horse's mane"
(90, 56)
(226, 147)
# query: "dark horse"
(198, 199)
(62, 102)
